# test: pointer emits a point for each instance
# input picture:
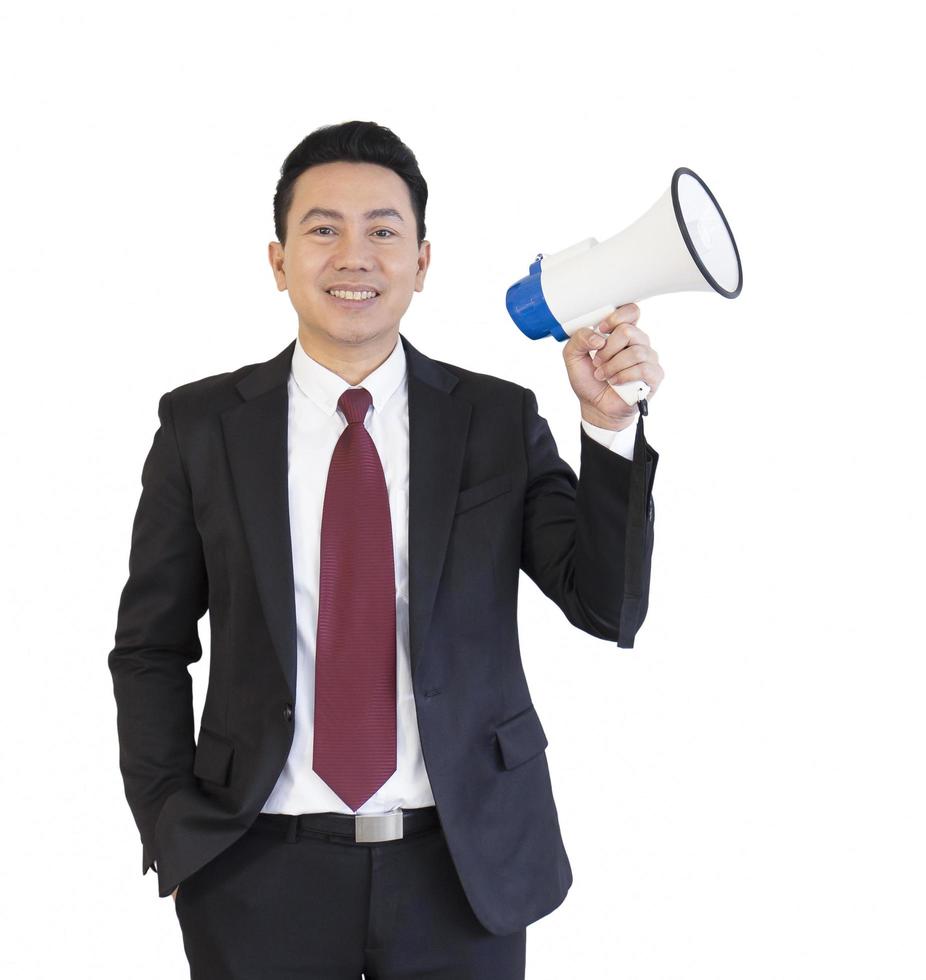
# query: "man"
(369, 789)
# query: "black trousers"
(288, 902)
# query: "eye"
(388, 231)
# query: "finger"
(620, 338)
(628, 313)
(636, 372)
(585, 339)
(608, 367)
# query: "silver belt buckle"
(377, 826)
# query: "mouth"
(351, 304)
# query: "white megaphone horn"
(683, 243)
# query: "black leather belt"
(361, 828)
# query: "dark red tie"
(354, 749)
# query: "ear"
(275, 255)
(424, 260)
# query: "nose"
(353, 252)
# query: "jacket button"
(288, 712)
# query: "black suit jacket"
(489, 495)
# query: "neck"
(351, 362)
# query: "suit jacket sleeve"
(157, 637)
(621, 441)
(587, 542)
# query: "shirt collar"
(325, 387)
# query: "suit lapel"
(437, 429)
(256, 437)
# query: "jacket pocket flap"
(213, 757)
(482, 492)
(521, 738)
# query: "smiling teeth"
(343, 294)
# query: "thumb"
(585, 339)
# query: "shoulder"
(478, 386)
(202, 400)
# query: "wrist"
(594, 417)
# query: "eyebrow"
(336, 215)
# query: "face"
(322, 251)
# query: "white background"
(741, 795)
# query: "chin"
(353, 333)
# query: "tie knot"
(354, 404)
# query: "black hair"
(364, 142)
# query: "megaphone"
(683, 243)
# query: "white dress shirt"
(315, 425)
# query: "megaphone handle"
(633, 392)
